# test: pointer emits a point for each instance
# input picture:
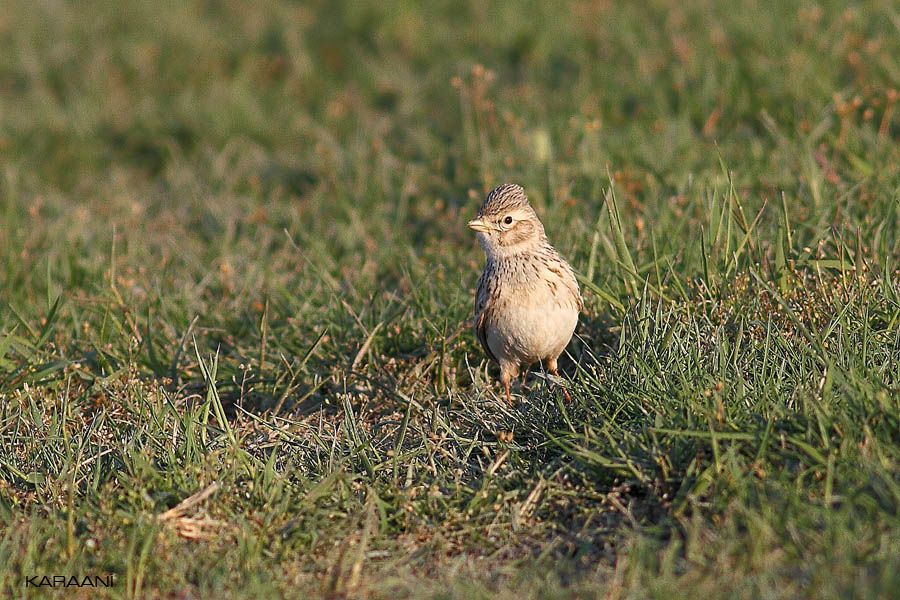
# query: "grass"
(235, 289)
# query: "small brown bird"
(528, 301)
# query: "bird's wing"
(573, 285)
(565, 274)
(482, 300)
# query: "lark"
(527, 303)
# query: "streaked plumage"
(527, 303)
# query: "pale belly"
(528, 333)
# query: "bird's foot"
(561, 385)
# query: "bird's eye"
(508, 220)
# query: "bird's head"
(506, 223)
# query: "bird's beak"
(479, 225)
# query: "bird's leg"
(504, 379)
(562, 387)
(525, 375)
(551, 368)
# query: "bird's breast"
(532, 315)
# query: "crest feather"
(503, 198)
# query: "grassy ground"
(236, 283)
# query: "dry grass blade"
(189, 502)
(197, 527)
(357, 360)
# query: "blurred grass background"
(233, 254)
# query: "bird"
(528, 301)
